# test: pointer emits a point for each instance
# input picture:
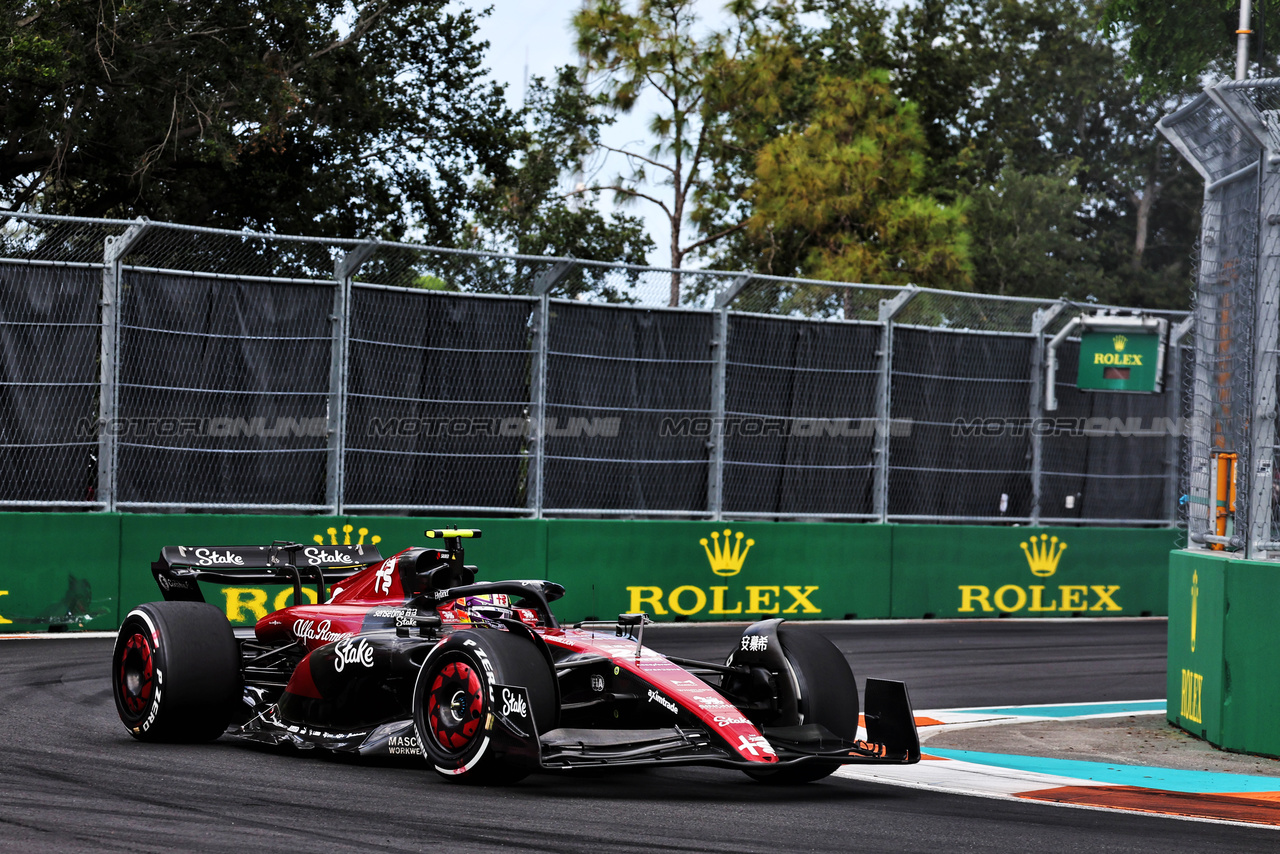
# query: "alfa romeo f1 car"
(410, 655)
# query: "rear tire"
(175, 672)
(454, 696)
(827, 695)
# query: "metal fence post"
(1039, 323)
(113, 251)
(541, 328)
(720, 354)
(344, 270)
(889, 309)
(1266, 340)
(1173, 454)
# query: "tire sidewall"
(150, 722)
(196, 672)
(498, 658)
(475, 656)
(826, 694)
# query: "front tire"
(827, 694)
(454, 699)
(175, 672)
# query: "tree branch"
(625, 153)
(363, 25)
(704, 241)
(626, 191)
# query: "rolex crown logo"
(346, 537)
(1119, 341)
(726, 559)
(1043, 556)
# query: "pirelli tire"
(175, 672)
(454, 699)
(827, 694)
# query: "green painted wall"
(1252, 649)
(1224, 641)
(1197, 596)
(984, 571)
(795, 570)
(63, 572)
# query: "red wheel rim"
(455, 703)
(137, 674)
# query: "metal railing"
(150, 366)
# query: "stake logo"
(726, 561)
(1043, 559)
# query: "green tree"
(1030, 238)
(528, 213)
(314, 117)
(1173, 44)
(1038, 89)
(843, 193)
(657, 49)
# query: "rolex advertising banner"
(726, 571)
(1224, 642)
(719, 571)
(1197, 591)
(983, 571)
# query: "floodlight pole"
(1242, 42)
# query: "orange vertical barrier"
(1225, 494)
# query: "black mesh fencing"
(49, 383)
(800, 417)
(223, 391)
(628, 401)
(437, 400)
(151, 366)
(962, 445)
(1111, 456)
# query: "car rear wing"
(180, 568)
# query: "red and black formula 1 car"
(410, 655)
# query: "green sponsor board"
(986, 571)
(1194, 684)
(1224, 642)
(62, 572)
(1119, 361)
(672, 570)
(725, 571)
(1251, 649)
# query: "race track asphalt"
(73, 780)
